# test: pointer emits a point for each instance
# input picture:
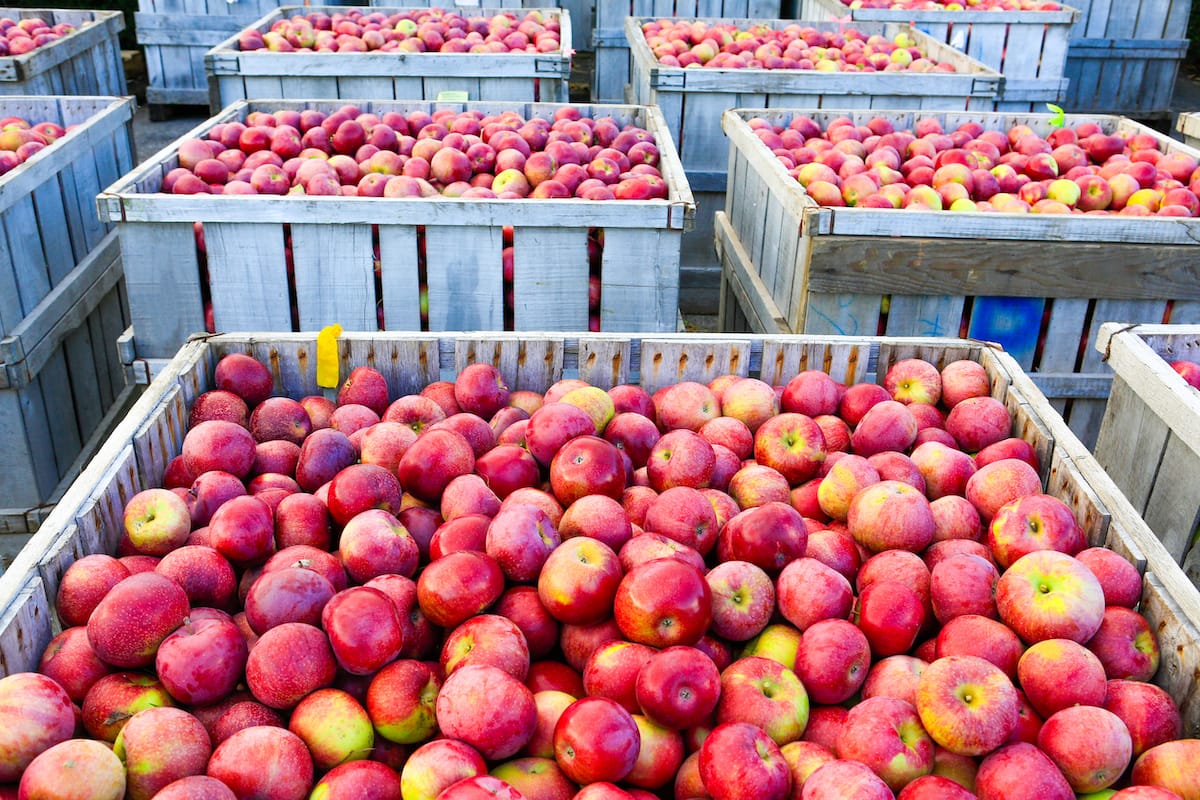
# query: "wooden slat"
(458, 302)
(335, 277)
(399, 277)
(550, 278)
(247, 277)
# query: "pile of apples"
(1072, 170)
(956, 5)
(20, 139)
(680, 43)
(729, 590)
(465, 154)
(18, 37)
(424, 30)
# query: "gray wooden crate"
(1028, 47)
(692, 101)
(61, 383)
(175, 35)
(88, 519)
(1150, 439)
(47, 205)
(611, 46)
(457, 242)
(86, 62)
(1124, 56)
(1040, 285)
(523, 77)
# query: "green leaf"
(1059, 119)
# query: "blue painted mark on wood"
(1014, 322)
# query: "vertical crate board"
(88, 519)
(1124, 56)
(1188, 126)
(611, 47)
(456, 242)
(60, 392)
(796, 267)
(85, 62)
(235, 75)
(48, 223)
(175, 35)
(1149, 442)
(1004, 41)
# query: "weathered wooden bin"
(1150, 439)
(692, 101)
(1125, 55)
(175, 35)
(1028, 47)
(89, 518)
(519, 77)
(455, 242)
(611, 46)
(85, 62)
(1039, 285)
(61, 303)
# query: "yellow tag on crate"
(327, 356)
(453, 96)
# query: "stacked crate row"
(518, 77)
(1039, 285)
(1028, 47)
(62, 301)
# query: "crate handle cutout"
(453, 96)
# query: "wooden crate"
(1028, 47)
(611, 46)
(175, 35)
(47, 205)
(1040, 285)
(456, 243)
(88, 519)
(692, 101)
(1188, 126)
(86, 62)
(62, 386)
(1124, 56)
(235, 75)
(1150, 439)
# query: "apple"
(263, 761)
(967, 704)
(1049, 595)
(596, 740)
(156, 522)
(1021, 769)
(832, 660)
(1102, 762)
(739, 760)
(437, 765)
(886, 734)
